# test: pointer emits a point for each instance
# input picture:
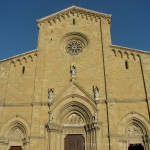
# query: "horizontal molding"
(47, 104)
(121, 101)
(37, 137)
(126, 101)
(24, 104)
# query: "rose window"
(74, 47)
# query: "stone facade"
(75, 83)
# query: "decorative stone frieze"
(74, 120)
(53, 127)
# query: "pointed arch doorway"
(135, 147)
(74, 142)
(75, 126)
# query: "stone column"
(54, 135)
(97, 135)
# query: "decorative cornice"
(129, 49)
(20, 55)
(72, 11)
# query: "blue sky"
(18, 29)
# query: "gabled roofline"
(74, 8)
(16, 56)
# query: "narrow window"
(126, 65)
(74, 21)
(23, 69)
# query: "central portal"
(74, 142)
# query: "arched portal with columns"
(135, 131)
(75, 123)
(15, 133)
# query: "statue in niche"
(73, 71)
(50, 94)
(96, 92)
(50, 116)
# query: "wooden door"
(15, 148)
(74, 142)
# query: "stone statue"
(50, 116)
(96, 92)
(95, 117)
(73, 71)
(50, 94)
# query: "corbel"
(49, 21)
(109, 20)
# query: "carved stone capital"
(25, 140)
(93, 126)
(148, 138)
(3, 140)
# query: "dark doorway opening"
(74, 142)
(135, 147)
(15, 148)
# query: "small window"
(23, 70)
(126, 65)
(74, 21)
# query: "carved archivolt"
(74, 113)
(133, 124)
(15, 126)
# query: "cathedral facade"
(76, 91)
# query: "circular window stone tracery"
(74, 43)
(74, 47)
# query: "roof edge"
(64, 11)
(3, 60)
(130, 49)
